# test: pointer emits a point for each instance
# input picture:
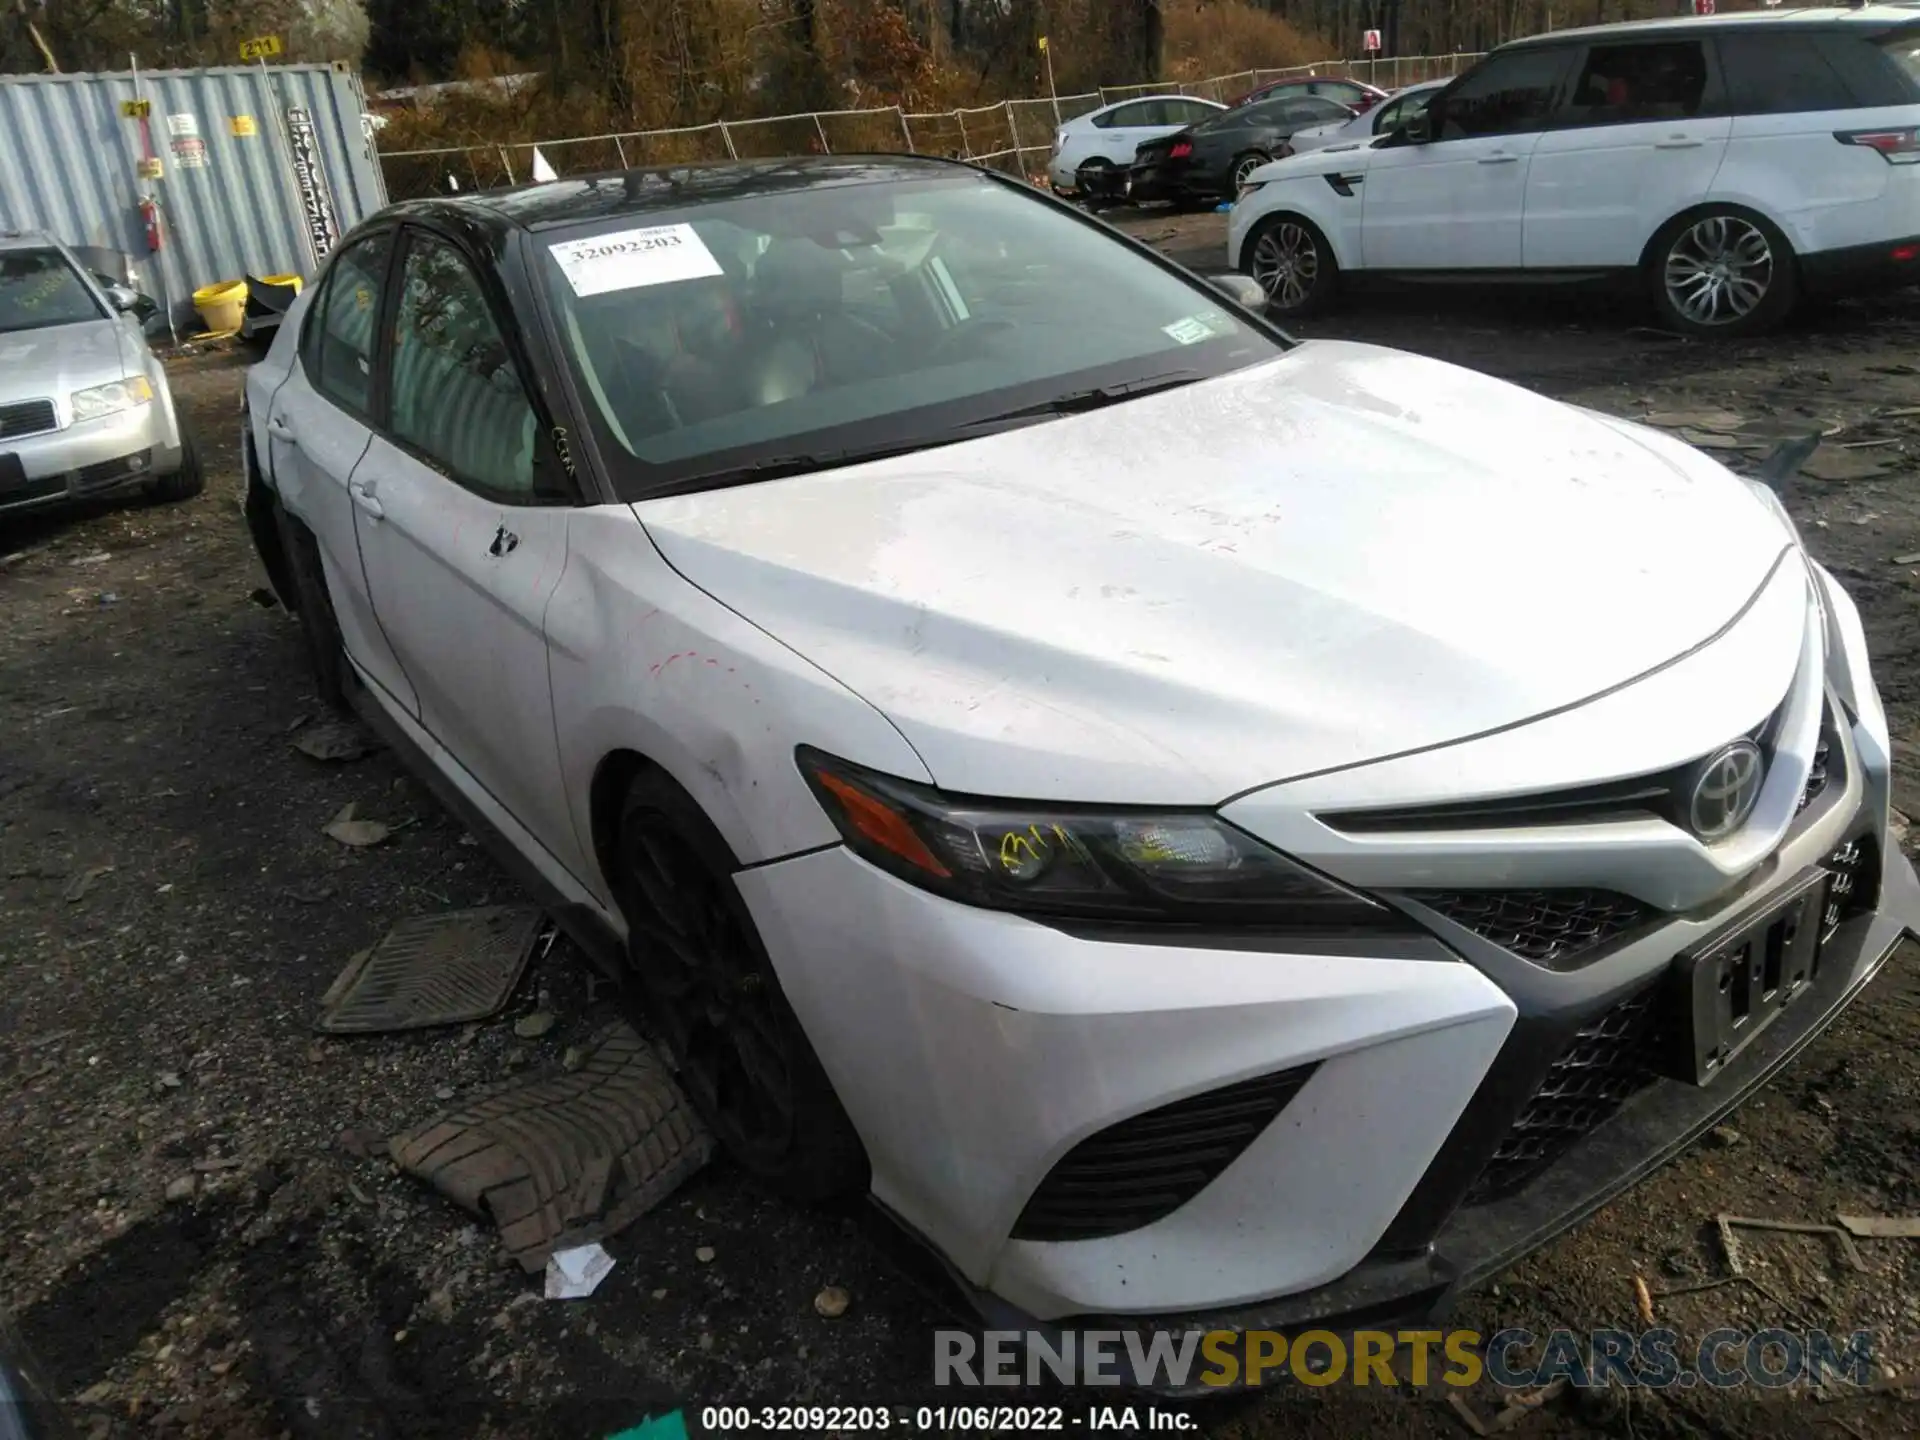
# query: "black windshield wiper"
(1076, 402)
(781, 467)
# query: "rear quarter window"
(1886, 72)
(1779, 74)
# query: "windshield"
(39, 289)
(851, 319)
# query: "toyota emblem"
(1725, 788)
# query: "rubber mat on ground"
(561, 1160)
(433, 970)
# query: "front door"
(1638, 141)
(318, 428)
(462, 549)
(1457, 201)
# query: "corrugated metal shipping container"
(259, 171)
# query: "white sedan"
(1189, 821)
(1386, 117)
(1102, 142)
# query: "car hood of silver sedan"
(54, 362)
(1336, 556)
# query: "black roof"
(541, 206)
(1785, 19)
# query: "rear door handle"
(1678, 142)
(1498, 159)
(364, 496)
(505, 542)
(280, 430)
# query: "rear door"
(1639, 139)
(463, 521)
(1133, 123)
(318, 428)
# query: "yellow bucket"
(293, 280)
(221, 306)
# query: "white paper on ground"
(576, 1273)
(629, 259)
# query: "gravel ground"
(197, 1243)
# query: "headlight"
(110, 399)
(1080, 862)
(1248, 189)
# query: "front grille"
(34, 490)
(1143, 1169)
(1548, 927)
(1604, 1064)
(26, 417)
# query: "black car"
(1209, 160)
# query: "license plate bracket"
(1740, 980)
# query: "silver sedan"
(85, 409)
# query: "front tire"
(711, 991)
(1294, 265)
(186, 482)
(1722, 272)
(326, 650)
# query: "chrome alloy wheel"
(1719, 270)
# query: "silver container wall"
(259, 171)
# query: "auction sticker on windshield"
(629, 259)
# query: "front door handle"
(505, 542)
(1678, 142)
(1498, 159)
(280, 430)
(364, 496)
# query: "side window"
(1622, 84)
(1316, 111)
(1192, 112)
(456, 397)
(337, 344)
(1779, 74)
(1510, 94)
(1139, 113)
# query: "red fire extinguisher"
(150, 218)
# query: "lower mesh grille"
(1853, 884)
(1548, 927)
(1143, 1169)
(1605, 1063)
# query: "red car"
(1355, 96)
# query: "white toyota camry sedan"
(1192, 822)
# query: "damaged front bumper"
(1450, 1236)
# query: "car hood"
(1342, 554)
(59, 360)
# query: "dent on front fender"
(642, 660)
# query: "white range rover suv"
(1727, 165)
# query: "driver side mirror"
(1243, 290)
(123, 298)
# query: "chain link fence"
(1014, 135)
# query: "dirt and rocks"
(199, 1232)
